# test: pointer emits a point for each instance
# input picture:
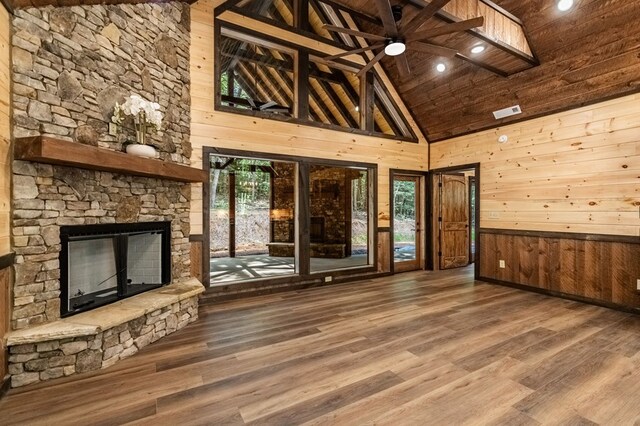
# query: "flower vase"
(139, 148)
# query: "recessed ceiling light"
(357, 108)
(395, 48)
(441, 67)
(565, 5)
(478, 49)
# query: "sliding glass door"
(252, 218)
(339, 209)
(271, 218)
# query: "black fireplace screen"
(100, 264)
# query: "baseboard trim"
(561, 295)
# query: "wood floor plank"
(331, 401)
(415, 348)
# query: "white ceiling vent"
(507, 112)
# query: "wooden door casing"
(454, 221)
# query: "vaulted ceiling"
(587, 54)
(582, 56)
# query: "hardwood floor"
(417, 348)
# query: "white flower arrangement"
(146, 115)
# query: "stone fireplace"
(70, 66)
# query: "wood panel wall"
(384, 254)
(600, 270)
(5, 302)
(5, 182)
(232, 131)
(196, 260)
(5, 126)
(576, 171)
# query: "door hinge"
(440, 219)
(440, 253)
(440, 184)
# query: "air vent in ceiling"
(507, 112)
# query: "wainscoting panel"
(384, 254)
(197, 257)
(598, 268)
(6, 281)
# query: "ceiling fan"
(402, 35)
(269, 106)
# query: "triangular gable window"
(280, 11)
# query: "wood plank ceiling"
(587, 54)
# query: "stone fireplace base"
(99, 338)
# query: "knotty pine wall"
(5, 136)
(560, 202)
(576, 171)
(232, 131)
(5, 181)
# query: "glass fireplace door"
(93, 272)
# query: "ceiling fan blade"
(433, 49)
(370, 65)
(268, 105)
(403, 66)
(351, 52)
(386, 14)
(427, 12)
(354, 32)
(447, 29)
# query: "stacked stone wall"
(33, 363)
(70, 66)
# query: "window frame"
(300, 111)
(303, 270)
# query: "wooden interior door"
(407, 231)
(454, 221)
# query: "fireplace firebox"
(100, 264)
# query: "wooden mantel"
(45, 149)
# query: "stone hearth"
(99, 338)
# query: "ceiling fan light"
(441, 67)
(565, 5)
(478, 49)
(395, 48)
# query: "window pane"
(255, 75)
(252, 219)
(404, 220)
(334, 96)
(386, 116)
(275, 10)
(340, 222)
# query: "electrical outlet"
(502, 264)
(494, 215)
(638, 284)
(113, 129)
(328, 279)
